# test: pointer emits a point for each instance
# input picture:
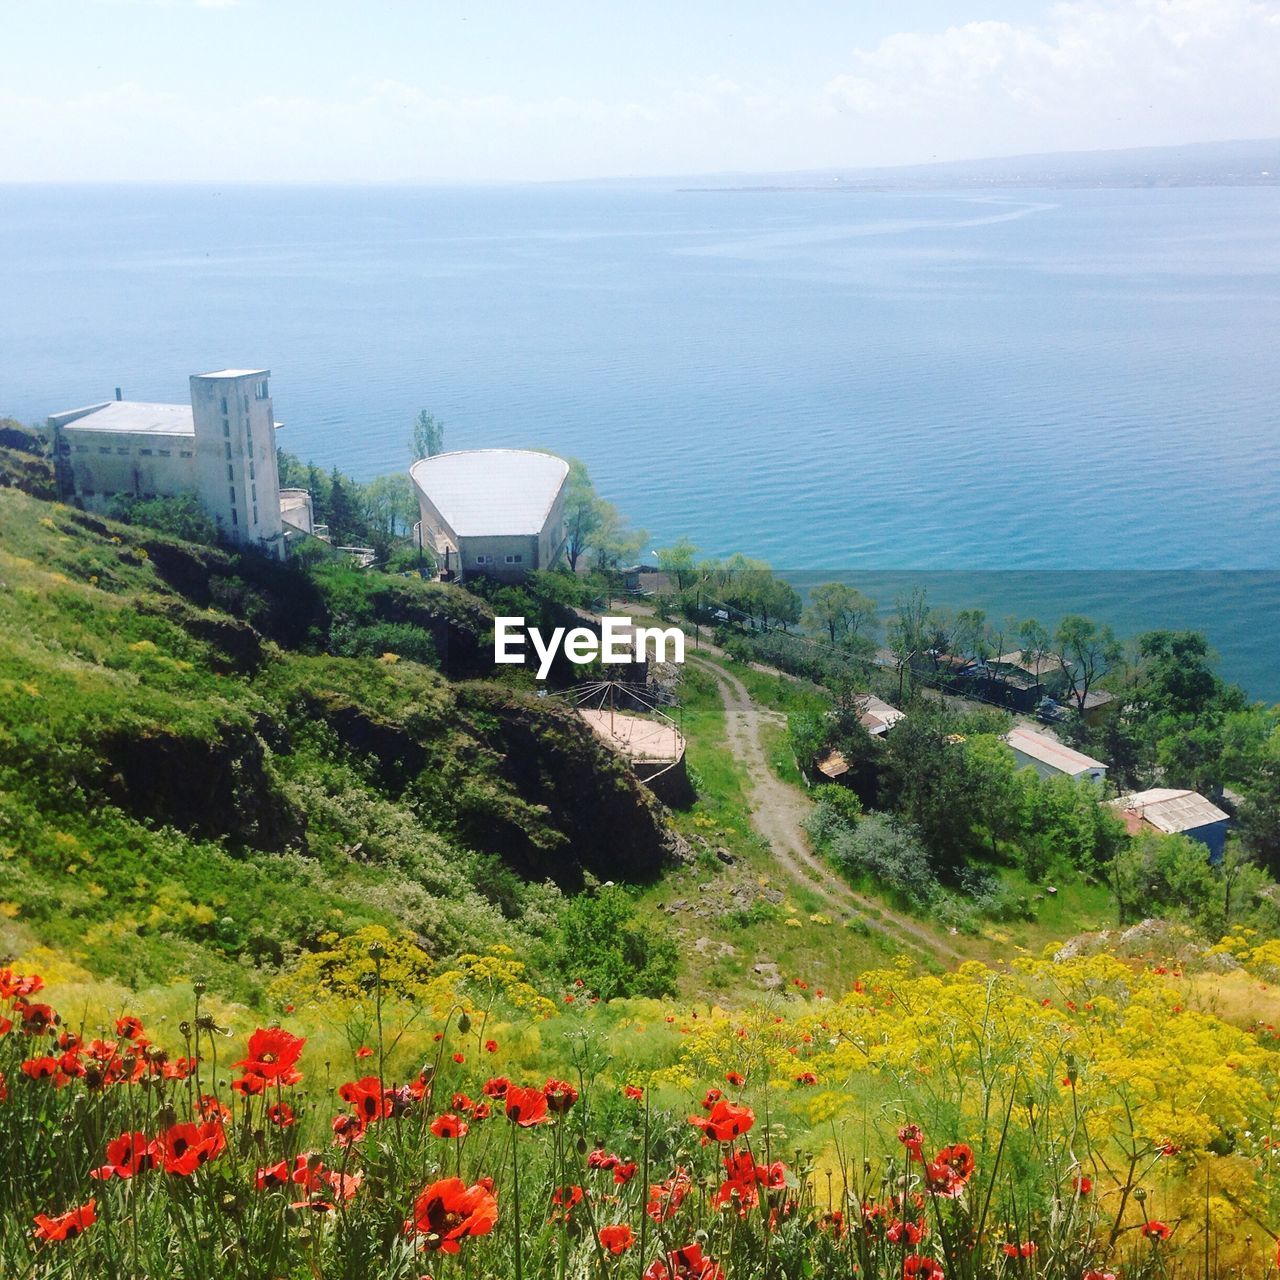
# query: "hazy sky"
(432, 89)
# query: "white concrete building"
(222, 447)
(1050, 758)
(494, 511)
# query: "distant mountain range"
(1251, 162)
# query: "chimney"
(118, 395)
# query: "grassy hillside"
(192, 782)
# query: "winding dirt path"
(778, 811)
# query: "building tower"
(235, 445)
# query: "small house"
(1171, 811)
(1051, 758)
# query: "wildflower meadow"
(1079, 1119)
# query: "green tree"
(676, 561)
(342, 515)
(1086, 652)
(1166, 875)
(843, 614)
(582, 513)
(389, 506)
(603, 943)
(428, 435)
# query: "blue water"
(1016, 380)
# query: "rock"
(768, 974)
(725, 856)
(708, 947)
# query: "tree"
(602, 942)
(428, 435)
(582, 513)
(1086, 652)
(614, 542)
(389, 505)
(1165, 875)
(676, 562)
(907, 631)
(343, 518)
(846, 616)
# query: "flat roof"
(1039, 746)
(235, 373)
(1170, 809)
(136, 415)
(491, 492)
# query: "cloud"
(1096, 74)
(1092, 74)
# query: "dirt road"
(778, 811)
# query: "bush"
(891, 852)
(180, 517)
(603, 944)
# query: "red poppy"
(1156, 1231)
(735, 1078)
(630, 1091)
(806, 1078)
(684, 1264)
(491, 1046)
(1082, 1186)
(128, 1154)
(917, 1267)
(15, 984)
(942, 1180)
(66, 1226)
(280, 1114)
(727, 1121)
(959, 1158)
(130, 1027)
(449, 1126)
(710, 1098)
(623, 1172)
(186, 1147)
(1025, 1250)
(367, 1098)
(459, 1058)
(273, 1054)
(526, 1107)
(346, 1130)
(564, 1200)
(364, 1052)
(911, 1137)
(45, 1068)
(1098, 1275)
(617, 1238)
(561, 1095)
(210, 1108)
(448, 1212)
(665, 1198)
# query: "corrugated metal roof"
(876, 714)
(1171, 810)
(1037, 666)
(492, 492)
(1039, 746)
(833, 765)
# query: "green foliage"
(428, 435)
(602, 943)
(1163, 875)
(180, 517)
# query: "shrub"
(603, 944)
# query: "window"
(103, 448)
(226, 428)
(251, 474)
(513, 559)
(260, 389)
(146, 453)
(124, 453)
(484, 559)
(231, 475)
(224, 406)
(232, 492)
(234, 518)
(165, 453)
(227, 446)
(255, 515)
(82, 448)
(184, 453)
(254, 494)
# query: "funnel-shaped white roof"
(484, 493)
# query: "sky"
(438, 90)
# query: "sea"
(1034, 402)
